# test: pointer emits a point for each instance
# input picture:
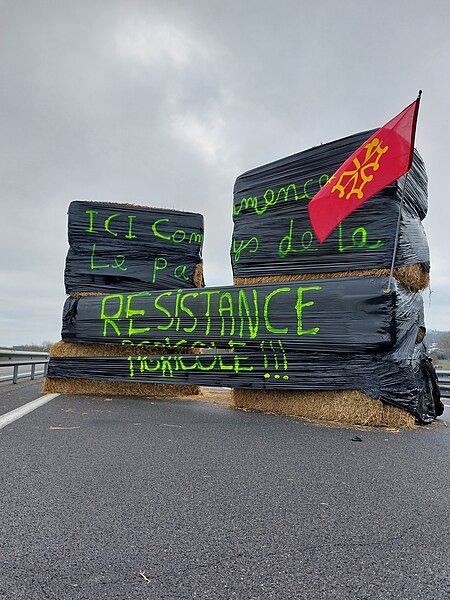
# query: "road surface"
(110, 499)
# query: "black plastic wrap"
(403, 377)
(272, 231)
(352, 314)
(348, 334)
(127, 248)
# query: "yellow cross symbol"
(357, 178)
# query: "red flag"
(386, 156)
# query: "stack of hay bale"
(115, 247)
(335, 334)
(273, 241)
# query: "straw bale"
(413, 277)
(132, 205)
(198, 278)
(81, 294)
(74, 349)
(420, 334)
(348, 407)
(118, 388)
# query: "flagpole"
(397, 235)
(327, 209)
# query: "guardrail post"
(15, 373)
(33, 369)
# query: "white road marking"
(25, 409)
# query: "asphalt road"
(213, 503)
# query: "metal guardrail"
(444, 382)
(19, 358)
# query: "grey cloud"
(165, 103)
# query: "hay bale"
(115, 388)
(420, 334)
(198, 279)
(414, 277)
(134, 205)
(75, 349)
(118, 388)
(81, 294)
(348, 407)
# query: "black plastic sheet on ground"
(353, 314)
(272, 231)
(127, 248)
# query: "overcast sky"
(166, 102)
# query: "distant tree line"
(438, 345)
(42, 347)
(443, 344)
